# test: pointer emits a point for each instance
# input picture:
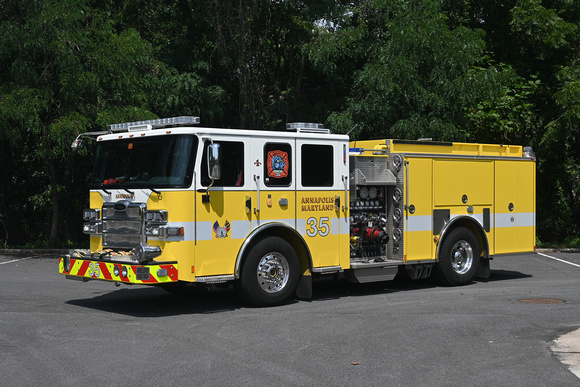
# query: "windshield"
(150, 162)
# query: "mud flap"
(304, 289)
(483, 270)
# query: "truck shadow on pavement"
(155, 302)
(502, 275)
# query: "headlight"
(90, 214)
(92, 228)
(156, 225)
(156, 216)
(163, 231)
(153, 231)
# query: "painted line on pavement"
(16, 260)
(558, 259)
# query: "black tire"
(458, 258)
(270, 273)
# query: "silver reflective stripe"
(240, 229)
(345, 226)
(301, 226)
(505, 220)
(525, 219)
(517, 219)
(334, 226)
(420, 223)
(204, 231)
(188, 231)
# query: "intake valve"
(375, 234)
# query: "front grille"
(123, 224)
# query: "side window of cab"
(232, 165)
(317, 165)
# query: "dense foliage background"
(463, 70)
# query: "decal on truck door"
(277, 164)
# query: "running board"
(386, 263)
(371, 274)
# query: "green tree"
(540, 42)
(410, 74)
(64, 68)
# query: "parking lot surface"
(499, 331)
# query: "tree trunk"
(54, 196)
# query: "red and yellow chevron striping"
(119, 272)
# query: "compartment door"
(515, 216)
(418, 197)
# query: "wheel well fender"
(283, 231)
(471, 224)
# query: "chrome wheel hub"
(461, 257)
(273, 272)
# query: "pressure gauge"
(364, 193)
(373, 192)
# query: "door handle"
(248, 204)
(256, 180)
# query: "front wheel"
(270, 273)
(459, 257)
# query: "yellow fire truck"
(175, 205)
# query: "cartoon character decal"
(221, 232)
(277, 164)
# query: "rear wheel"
(270, 273)
(459, 257)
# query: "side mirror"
(77, 144)
(214, 158)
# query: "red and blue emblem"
(277, 164)
(221, 232)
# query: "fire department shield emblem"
(277, 164)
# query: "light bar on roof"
(303, 125)
(306, 127)
(152, 124)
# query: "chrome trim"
(447, 226)
(420, 262)
(256, 180)
(345, 182)
(407, 169)
(470, 157)
(327, 269)
(258, 230)
(215, 279)
(273, 272)
(389, 263)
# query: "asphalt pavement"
(519, 328)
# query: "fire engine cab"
(176, 205)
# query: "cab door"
(222, 222)
(272, 180)
(322, 200)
